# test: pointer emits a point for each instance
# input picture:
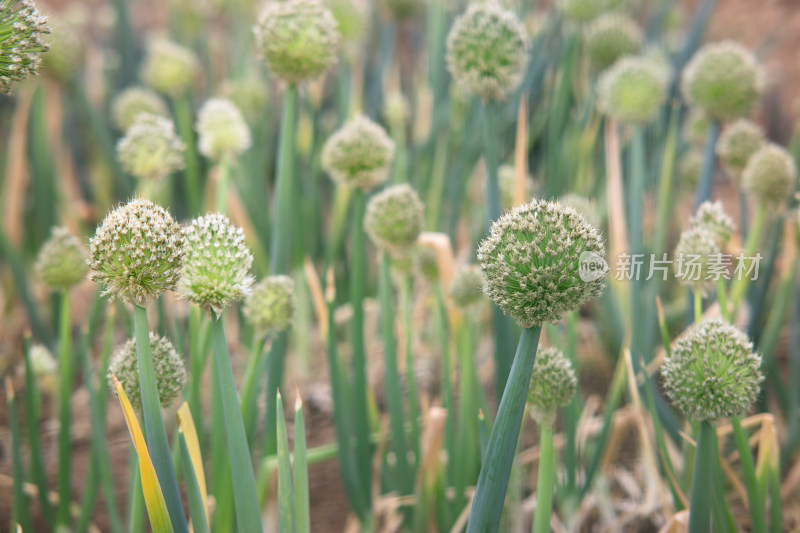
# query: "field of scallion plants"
(399, 266)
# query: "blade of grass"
(20, 510)
(151, 488)
(155, 430)
(286, 504)
(65, 371)
(754, 500)
(302, 507)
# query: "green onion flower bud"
(359, 154)
(297, 39)
(134, 101)
(61, 262)
(137, 252)
(43, 363)
(690, 166)
(536, 262)
(770, 174)
(396, 109)
(696, 126)
(724, 79)
(249, 94)
(712, 373)
(738, 142)
(507, 181)
(270, 305)
(611, 36)
(466, 289)
(150, 149)
(216, 271)
(221, 129)
(65, 50)
(487, 51)
(169, 68)
(694, 257)
(553, 384)
(713, 218)
(584, 207)
(581, 10)
(427, 265)
(168, 365)
(394, 218)
(21, 28)
(632, 90)
(351, 18)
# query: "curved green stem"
(702, 480)
(490, 492)
(545, 480)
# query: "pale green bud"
(467, 287)
(134, 101)
(270, 305)
(221, 129)
(394, 218)
(737, 144)
(713, 218)
(632, 90)
(359, 154)
(61, 262)
(770, 175)
(611, 36)
(553, 384)
(169, 68)
(150, 149)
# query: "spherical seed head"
(61, 262)
(583, 206)
(132, 102)
(351, 17)
(690, 166)
(216, 269)
(532, 260)
(270, 305)
(712, 373)
(724, 79)
(65, 50)
(507, 181)
(22, 26)
(581, 10)
(222, 130)
(712, 217)
(394, 218)
(610, 37)
(466, 289)
(694, 256)
(137, 252)
(297, 39)
(487, 51)
(42, 361)
(738, 142)
(396, 109)
(359, 154)
(249, 94)
(150, 148)
(168, 365)
(169, 68)
(427, 265)
(770, 174)
(632, 90)
(553, 382)
(696, 126)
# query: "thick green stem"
(65, 393)
(702, 480)
(490, 492)
(501, 325)
(193, 185)
(394, 396)
(223, 181)
(256, 366)
(358, 272)
(545, 480)
(275, 365)
(284, 200)
(636, 186)
(155, 432)
(698, 307)
(248, 516)
(706, 184)
(740, 284)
